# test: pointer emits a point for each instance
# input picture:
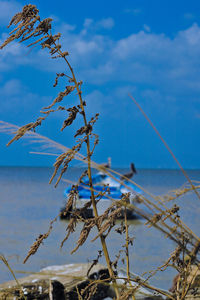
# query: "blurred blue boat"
(101, 182)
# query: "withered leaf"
(72, 116)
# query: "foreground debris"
(59, 283)
(72, 281)
(68, 282)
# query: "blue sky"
(150, 49)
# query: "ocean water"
(28, 204)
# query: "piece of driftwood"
(59, 283)
(70, 282)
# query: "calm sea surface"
(28, 204)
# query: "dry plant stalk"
(6, 263)
(29, 26)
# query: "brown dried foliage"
(72, 116)
(21, 131)
(61, 95)
(39, 241)
(88, 225)
(64, 159)
(110, 223)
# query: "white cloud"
(92, 26)
(88, 22)
(85, 47)
(96, 101)
(15, 97)
(189, 16)
(168, 68)
(134, 11)
(190, 36)
(11, 88)
(68, 27)
(146, 28)
(108, 102)
(140, 45)
(7, 10)
(107, 23)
